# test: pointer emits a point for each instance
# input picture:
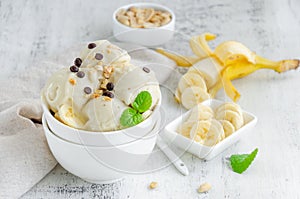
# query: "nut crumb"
(99, 91)
(72, 81)
(205, 187)
(107, 71)
(107, 98)
(95, 95)
(104, 83)
(153, 185)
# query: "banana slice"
(228, 127)
(209, 68)
(201, 112)
(230, 52)
(231, 116)
(191, 79)
(207, 132)
(67, 116)
(230, 106)
(215, 133)
(192, 96)
(185, 128)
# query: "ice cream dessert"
(101, 86)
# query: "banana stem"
(279, 66)
(180, 60)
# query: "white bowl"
(90, 138)
(100, 164)
(144, 36)
(202, 151)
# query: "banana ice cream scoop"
(131, 83)
(93, 93)
(102, 53)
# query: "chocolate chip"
(87, 90)
(110, 86)
(99, 56)
(80, 74)
(108, 94)
(78, 62)
(92, 45)
(147, 70)
(74, 69)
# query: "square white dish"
(202, 151)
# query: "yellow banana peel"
(236, 60)
(184, 61)
(199, 44)
(244, 68)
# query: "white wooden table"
(32, 30)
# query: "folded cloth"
(24, 154)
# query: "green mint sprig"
(241, 162)
(133, 116)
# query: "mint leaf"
(142, 101)
(130, 117)
(240, 162)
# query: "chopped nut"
(95, 95)
(130, 14)
(149, 13)
(106, 75)
(98, 91)
(72, 81)
(124, 20)
(121, 12)
(153, 185)
(133, 9)
(107, 98)
(205, 187)
(107, 71)
(104, 83)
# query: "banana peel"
(237, 61)
(200, 46)
(183, 61)
(244, 68)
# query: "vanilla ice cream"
(93, 93)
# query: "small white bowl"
(202, 151)
(90, 138)
(100, 164)
(144, 36)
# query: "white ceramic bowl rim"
(46, 127)
(45, 108)
(155, 5)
